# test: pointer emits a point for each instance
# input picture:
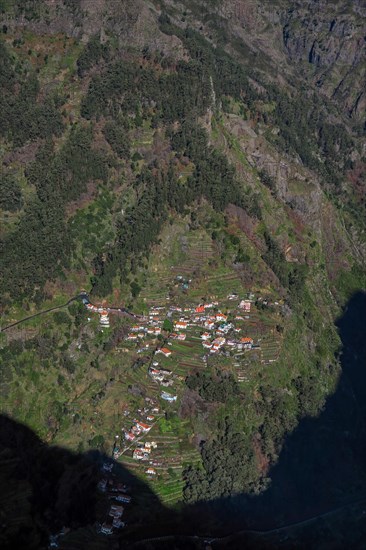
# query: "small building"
(154, 372)
(200, 309)
(104, 319)
(116, 511)
(245, 305)
(142, 426)
(107, 528)
(247, 343)
(117, 523)
(141, 454)
(123, 498)
(220, 341)
(166, 372)
(181, 324)
(168, 397)
(151, 472)
(164, 351)
(221, 317)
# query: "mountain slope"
(177, 153)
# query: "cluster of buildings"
(143, 450)
(217, 343)
(118, 493)
(216, 329)
(140, 427)
(137, 429)
(215, 324)
(140, 331)
(218, 332)
(104, 317)
(163, 376)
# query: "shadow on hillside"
(322, 466)
(44, 488)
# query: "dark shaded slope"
(43, 489)
(321, 469)
(317, 493)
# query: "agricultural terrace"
(178, 335)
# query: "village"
(173, 341)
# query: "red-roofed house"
(246, 342)
(181, 324)
(144, 427)
(221, 317)
(164, 351)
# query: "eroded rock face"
(328, 40)
(321, 41)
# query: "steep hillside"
(162, 162)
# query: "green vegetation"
(217, 387)
(93, 52)
(10, 193)
(228, 466)
(22, 117)
(147, 183)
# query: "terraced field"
(184, 272)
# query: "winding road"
(85, 299)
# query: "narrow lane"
(85, 299)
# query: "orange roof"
(246, 340)
(200, 309)
(165, 350)
(144, 426)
